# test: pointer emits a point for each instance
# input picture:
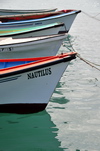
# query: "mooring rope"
(94, 17)
(81, 58)
(78, 55)
(88, 62)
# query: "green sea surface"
(29, 132)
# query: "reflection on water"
(75, 105)
(31, 132)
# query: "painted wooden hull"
(16, 11)
(7, 18)
(66, 18)
(31, 47)
(43, 30)
(27, 88)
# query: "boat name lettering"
(39, 73)
(6, 49)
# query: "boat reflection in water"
(28, 132)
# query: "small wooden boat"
(18, 17)
(66, 17)
(18, 11)
(43, 30)
(31, 47)
(26, 85)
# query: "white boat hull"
(50, 29)
(44, 32)
(66, 18)
(28, 88)
(48, 46)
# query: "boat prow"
(26, 85)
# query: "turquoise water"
(71, 121)
(31, 132)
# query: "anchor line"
(64, 44)
(88, 62)
(94, 17)
(81, 58)
(97, 14)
